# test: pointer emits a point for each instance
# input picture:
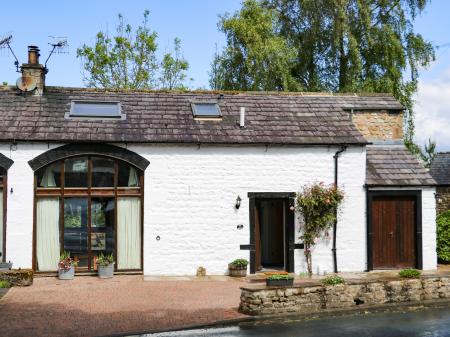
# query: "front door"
(393, 222)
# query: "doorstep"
(220, 278)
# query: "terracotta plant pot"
(106, 271)
(279, 283)
(237, 271)
(66, 274)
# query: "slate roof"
(440, 168)
(394, 165)
(166, 117)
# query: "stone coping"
(305, 283)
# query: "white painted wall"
(190, 194)
(19, 222)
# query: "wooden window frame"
(90, 192)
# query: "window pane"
(95, 109)
(128, 233)
(102, 172)
(102, 220)
(50, 176)
(76, 228)
(206, 110)
(47, 233)
(128, 175)
(76, 172)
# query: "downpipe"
(336, 171)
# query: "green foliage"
(325, 45)
(409, 273)
(318, 205)
(128, 60)
(5, 284)
(333, 280)
(240, 263)
(173, 69)
(105, 260)
(280, 277)
(443, 236)
(256, 56)
(4, 83)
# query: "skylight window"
(206, 110)
(91, 109)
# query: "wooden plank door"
(257, 241)
(393, 225)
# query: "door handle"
(391, 234)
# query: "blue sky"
(195, 22)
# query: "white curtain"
(128, 233)
(1, 224)
(47, 234)
(133, 178)
(48, 180)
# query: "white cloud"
(432, 111)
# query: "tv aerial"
(59, 46)
(5, 43)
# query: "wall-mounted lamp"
(11, 190)
(238, 202)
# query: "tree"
(256, 56)
(128, 60)
(429, 152)
(340, 46)
(173, 69)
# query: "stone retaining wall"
(314, 297)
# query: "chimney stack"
(33, 69)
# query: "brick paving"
(88, 306)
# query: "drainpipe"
(336, 157)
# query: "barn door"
(393, 231)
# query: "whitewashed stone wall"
(190, 194)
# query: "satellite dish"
(26, 83)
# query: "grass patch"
(409, 273)
(5, 284)
(333, 280)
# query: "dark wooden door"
(393, 228)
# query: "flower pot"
(66, 274)
(237, 271)
(280, 283)
(106, 271)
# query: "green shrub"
(333, 280)
(443, 236)
(240, 263)
(5, 284)
(105, 260)
(279, 277)
(409, 273)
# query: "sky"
(195, 23)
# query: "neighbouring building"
(440, 170)
(170, 181)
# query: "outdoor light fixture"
(238, 202)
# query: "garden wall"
(315, 297)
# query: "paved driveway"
(88, 306)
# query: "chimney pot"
(33, 55)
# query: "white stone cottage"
(170, 181)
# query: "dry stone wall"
(261, 300)
(443, 203)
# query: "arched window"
(87, 205)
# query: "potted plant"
(279, 280)
(238, 268)
(66, 267)
(105, 265)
